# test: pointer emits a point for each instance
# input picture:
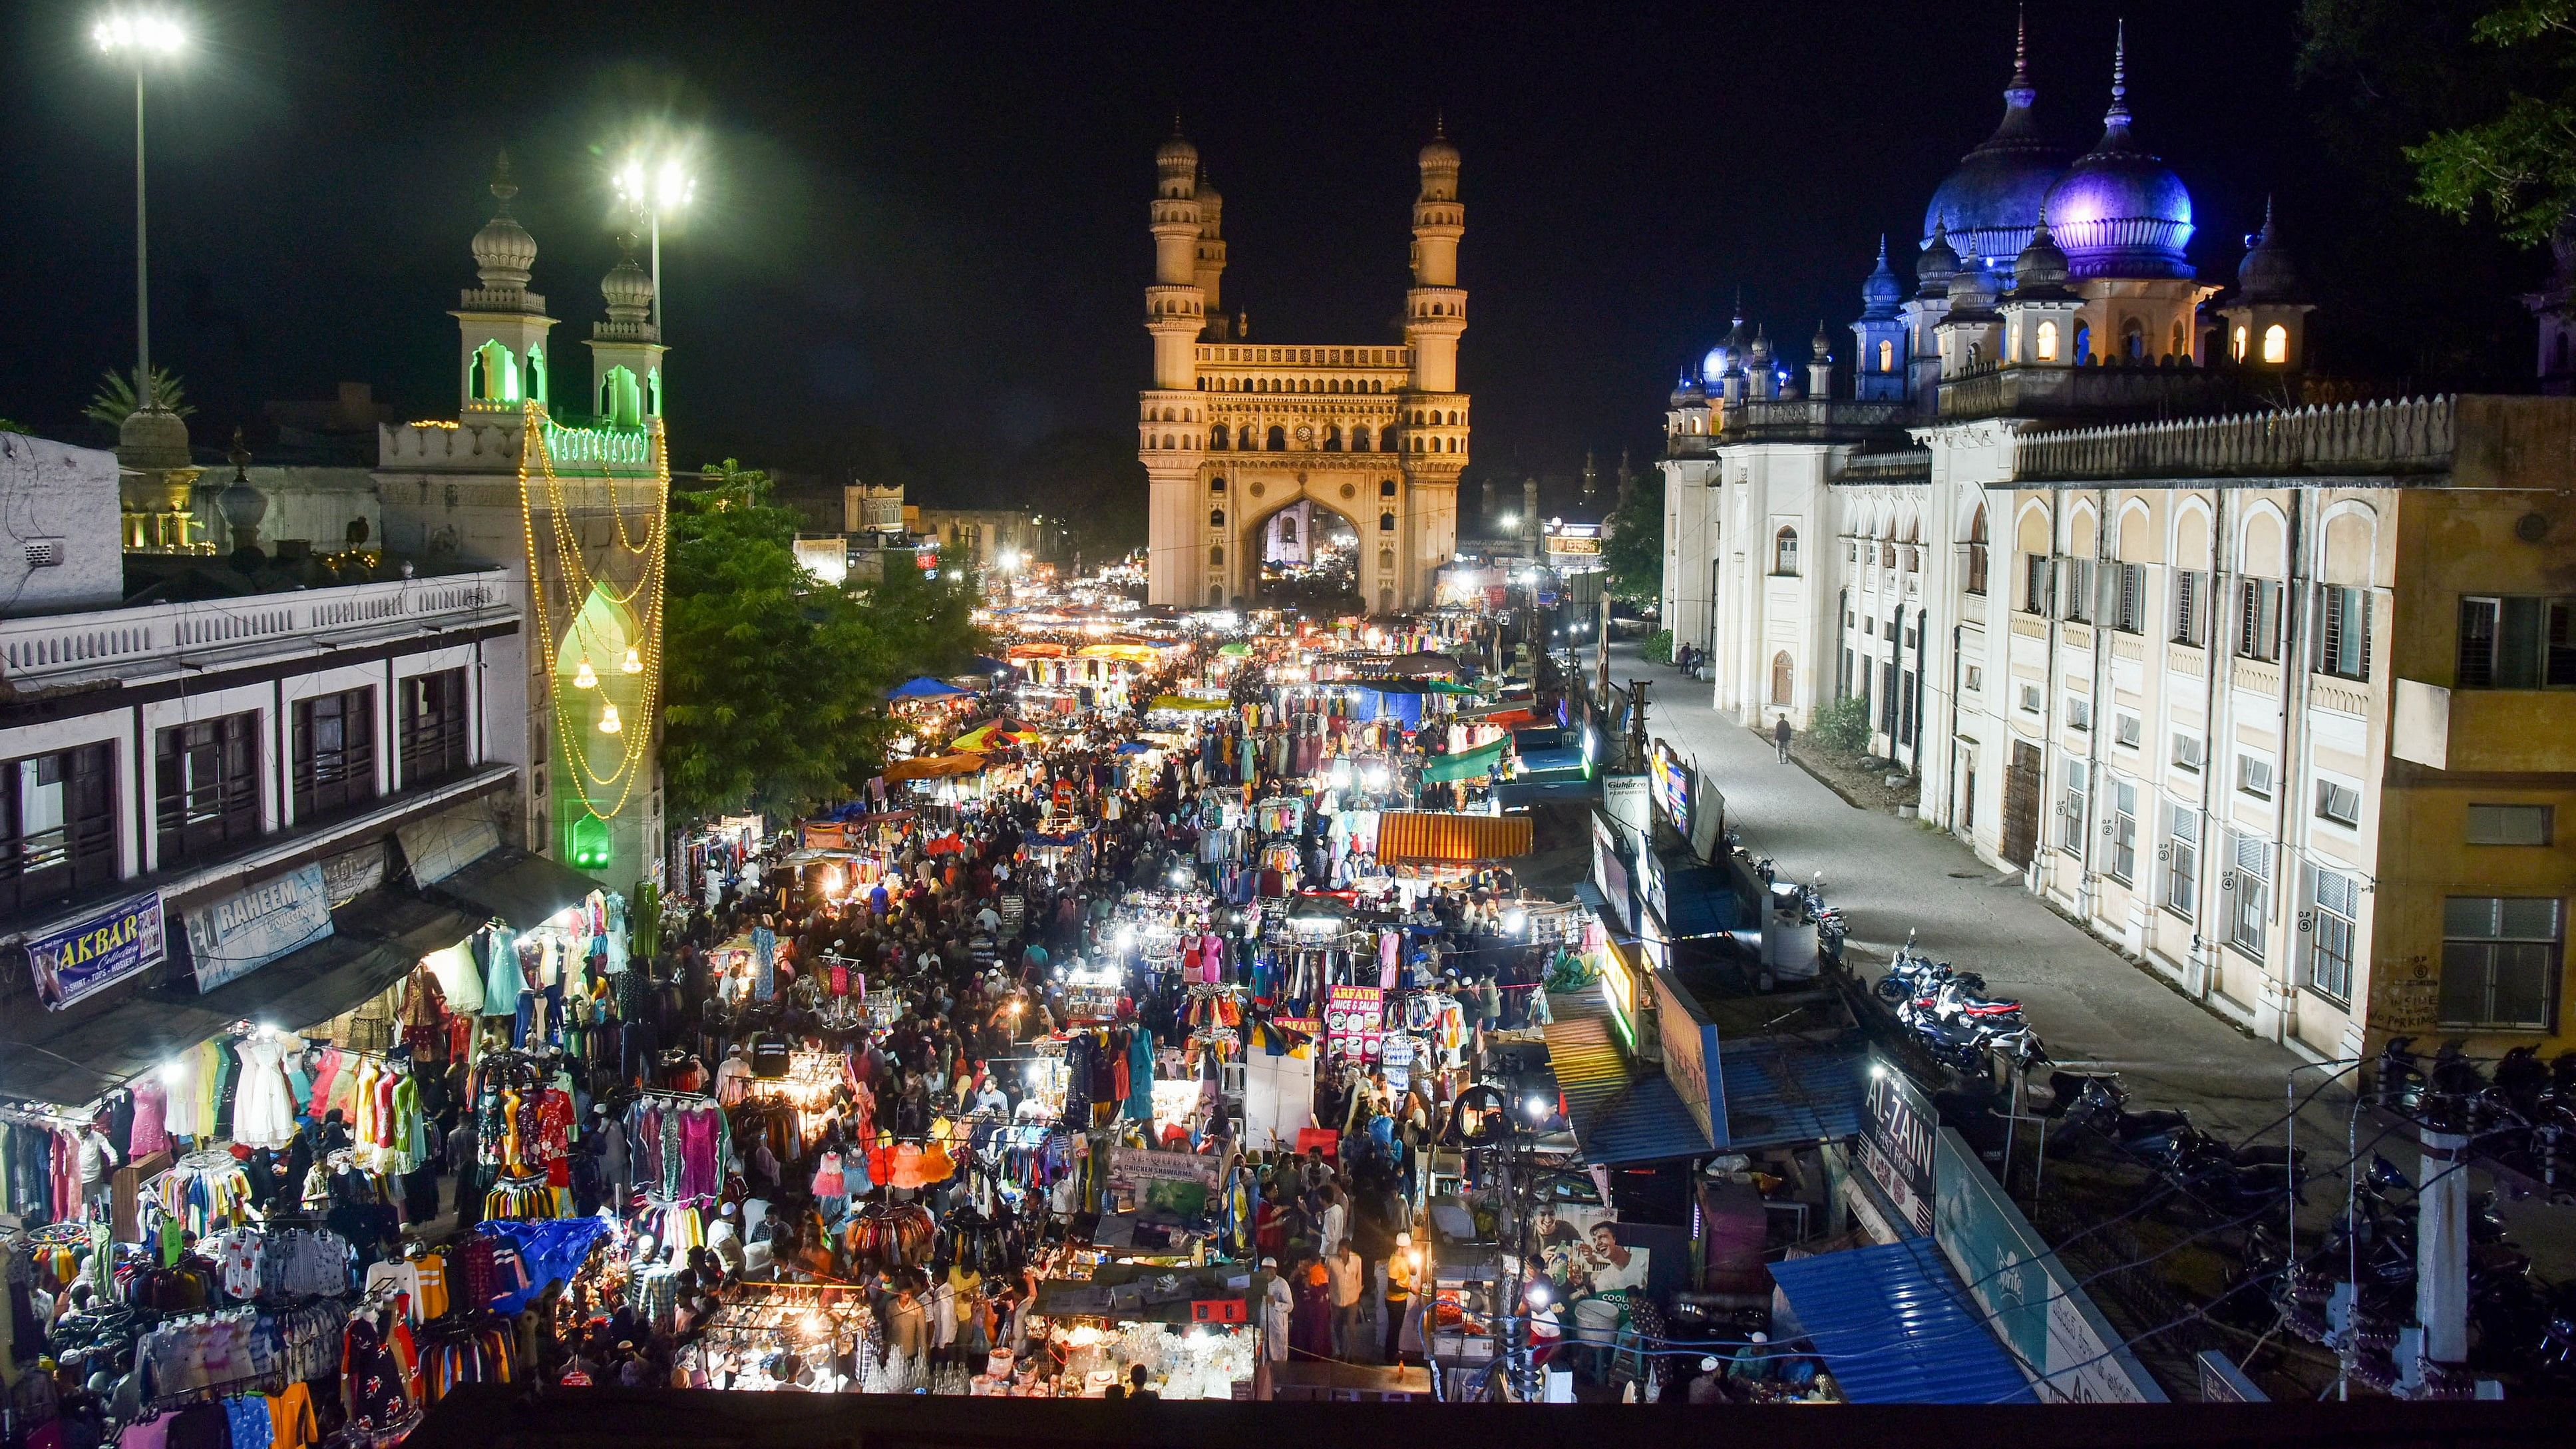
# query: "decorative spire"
(1882, 249)
(503, 188)
(1738, 319)
(2021, 49)
(1439, 123)
(2118, 116)
(503, 250)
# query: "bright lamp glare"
(140, 33)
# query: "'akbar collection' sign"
(99, 950)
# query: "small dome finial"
(2118, 115)
(2021, 48)
(503, 250)
(503, 188)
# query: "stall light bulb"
(170, 1073)
(634, 662)
(609, 723)
(583, 678)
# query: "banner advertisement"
(1669, 781)
(1354, 1022)
(248, 929)
(97, 951)
(1896, 1132)
(1689, 1042)
(353, 873)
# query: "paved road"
(1890, 876)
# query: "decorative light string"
(580, 584)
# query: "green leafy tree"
(2520, 161)
(1842, 726)
(116, 400)
(1634, 553)
(775, 681)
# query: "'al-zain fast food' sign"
(99, 950)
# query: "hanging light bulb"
(609, 723)
(634, 661)
(582, 678)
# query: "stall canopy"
(1184, 702)
(1472, 764)
(1621, 1117)
(1408, 836)
(514, 886)
(933, 767)
(924, 687)
(375, 941)
(1894, 1325)
(1791, 1090)
(987, 664)
(999, 734)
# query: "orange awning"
(1423, 835)
(933, 767)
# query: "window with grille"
(207, 787)
(2343, 632)
(2510, 824)
(57, 827)
(2500, 960)
(2128, 730)
(2258, 619)
(2078, 576)
(2030, 699)
(2035, 584)
(335, 752)
(2250, 870)
(2187, 586)
(2517, 643)
(435, 735)
(2338, 907)
(2254, 776)
(2186, 751)
(1784, 551)
(2124, 830)
(2070, 810)
(2338, 802)
(2182, 862)
(2129, 600)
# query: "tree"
(116, 396)
(775, 681)
(1634, 552)
(2520, 161)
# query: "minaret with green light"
(502, 325)
(626, 349)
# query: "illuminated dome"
(503, 250)
(628, 288)
(2267, 274)
(2120, 211)
(1992, 200)
(1178, 151)
(1729, 354)
(1881, 292)
(1939, 261)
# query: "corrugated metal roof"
(1791, 1091)
(1894, 1326)
(1413, 835)
(1621, 1116)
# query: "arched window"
(1977, 552)
(2177, 350)
(1216, 436)
(1287, 528)
(1378, 386)
(1784, 678)
(1386, 488)
(1886, 355)
(1216, 518)
(1216, 557)
(1332, 440)
(1386, 439)
(2083, 344)
(536, 385)
(2133, 340)
(2236, 344)
(1784, 551)
(1216, 486)
(1216, 595)
(1386, 560)
(2276, 345)
(1360, 439)
(1386, 523)
(2044, 343)
(1167, 441)
(1279, 440)
(1976, 354)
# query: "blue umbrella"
(1134, 747)
(924, 687)
(987, 664)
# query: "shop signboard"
(1668, 779)
(1091, 1001)
(1708, 815)
(1689, 1042)
(1395, 1058)
(110, 944)
(442, 845)
(248, 929)
(1896, 1130)
(353, 873)
(2033, 1305)
(1354, 1022)
(1610, 874)
(1650, 866)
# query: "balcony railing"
(147, 638)
(2410, 435)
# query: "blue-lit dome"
(2120, 211)
(1881, 292)
(1992, 201)
(1730, 353)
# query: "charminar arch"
(1232, 432)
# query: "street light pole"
(138, 37)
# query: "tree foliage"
(774, 680)
(2519, 162)
(116, 399)
(1634, 553)
(1842, 726)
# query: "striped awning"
(1423, 835)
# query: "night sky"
(927, 222)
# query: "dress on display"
(263, 1108)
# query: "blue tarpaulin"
(924, 687)
(1895, 1326)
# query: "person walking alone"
(1780, 737)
